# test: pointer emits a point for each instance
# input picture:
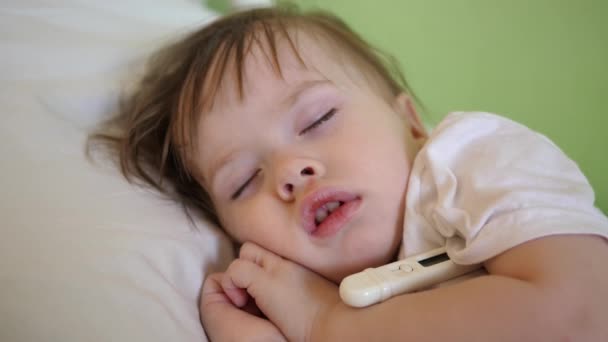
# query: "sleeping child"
(304, 144)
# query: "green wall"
(543, 63)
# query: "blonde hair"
(154, 124)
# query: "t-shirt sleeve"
(486, 184)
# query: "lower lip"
(337, 219)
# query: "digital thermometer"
(418, 272)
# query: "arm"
(550, 289)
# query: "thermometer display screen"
(434, 260)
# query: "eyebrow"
(304, 87)
(219, 163)
(288, 102)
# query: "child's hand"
(225, 322)
(294, 298)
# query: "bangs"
(211, 72)
(230, 61)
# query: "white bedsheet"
(84, 256)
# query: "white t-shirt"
(483, 184)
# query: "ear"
(404, 106)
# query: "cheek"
(249, 222)
(373, 151)
(366, 248)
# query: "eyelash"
(238, 192)
(319, 122)
(327, 116)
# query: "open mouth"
(325, 210)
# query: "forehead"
(280, 65)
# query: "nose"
(293, 174)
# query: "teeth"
(325, 210)
(332, 205)
(321, 215)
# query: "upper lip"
(317, 199)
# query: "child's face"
(300, 145)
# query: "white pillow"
(84, 256)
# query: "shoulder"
(475, 143)
(466, 130)
(486, 183)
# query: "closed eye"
(314, 125)
(319, 122)
(242, 188)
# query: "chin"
(339, 272)
(344, 270)
(337, 278)
(365, 253)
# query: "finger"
(261, 256)
(238, 278)
(212, 291)
(210, 285)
